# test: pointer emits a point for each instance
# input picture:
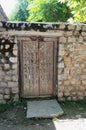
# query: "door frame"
(55, 62)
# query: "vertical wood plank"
(30, 68)
(46, 68)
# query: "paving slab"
(43, 109)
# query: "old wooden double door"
(38, 68)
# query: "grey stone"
(7, 91)
(60, 65)
(13, 84)
(43, 108)
(6, 66)
(1, 24)
(15, 90)
(3, 84)
(1, 97)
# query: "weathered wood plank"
(46, 68)
(30, 68)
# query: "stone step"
(43, 109)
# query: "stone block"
(60, 59)
(2, 29)
(15, 47)
(3, 84)
(1, 24)
(12, 84)
(15, 52)
(6, 66)
(13, 59)
(60, 70)
(60, 94)
(14, 78)
(15, 72)
(69, 98)
(8, 78)
(84, 34)
(71, 27)
(83, 77)
(6, 97)
(80, 39)
(7, 91)
(7, 46)
(14, 66)
(1, 90)
(66, 53)
(62, 40)
(67, 59)
(68, 65)
(62, 77)
(84, 28)
(15, 90)
(74, 98)
(78, 27)
(67, 82)
(61, 65)
(59, 83)
(80, 97)
(84, 82)
(67, 94)
(69, 33)
(6, 53)
(61, 53)
(62, 26)
(71, 39)
(1, 96)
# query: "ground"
(13, 117)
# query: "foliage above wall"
(78, 8)
(49, 10)
(20, 13)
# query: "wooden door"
(37, 68)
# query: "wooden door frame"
(55, 54)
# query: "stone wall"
(71, 64)
(8, 69)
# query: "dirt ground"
(14, 118)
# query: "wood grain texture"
(37, 68)
(30, 68)
(46, 68)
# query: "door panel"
(30, 69)
(37, 68)
(46, 68)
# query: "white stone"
(60, 65)
(6, 97)
(13, 59)
(7, 46)
(15, 52)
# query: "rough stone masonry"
(71, 64)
